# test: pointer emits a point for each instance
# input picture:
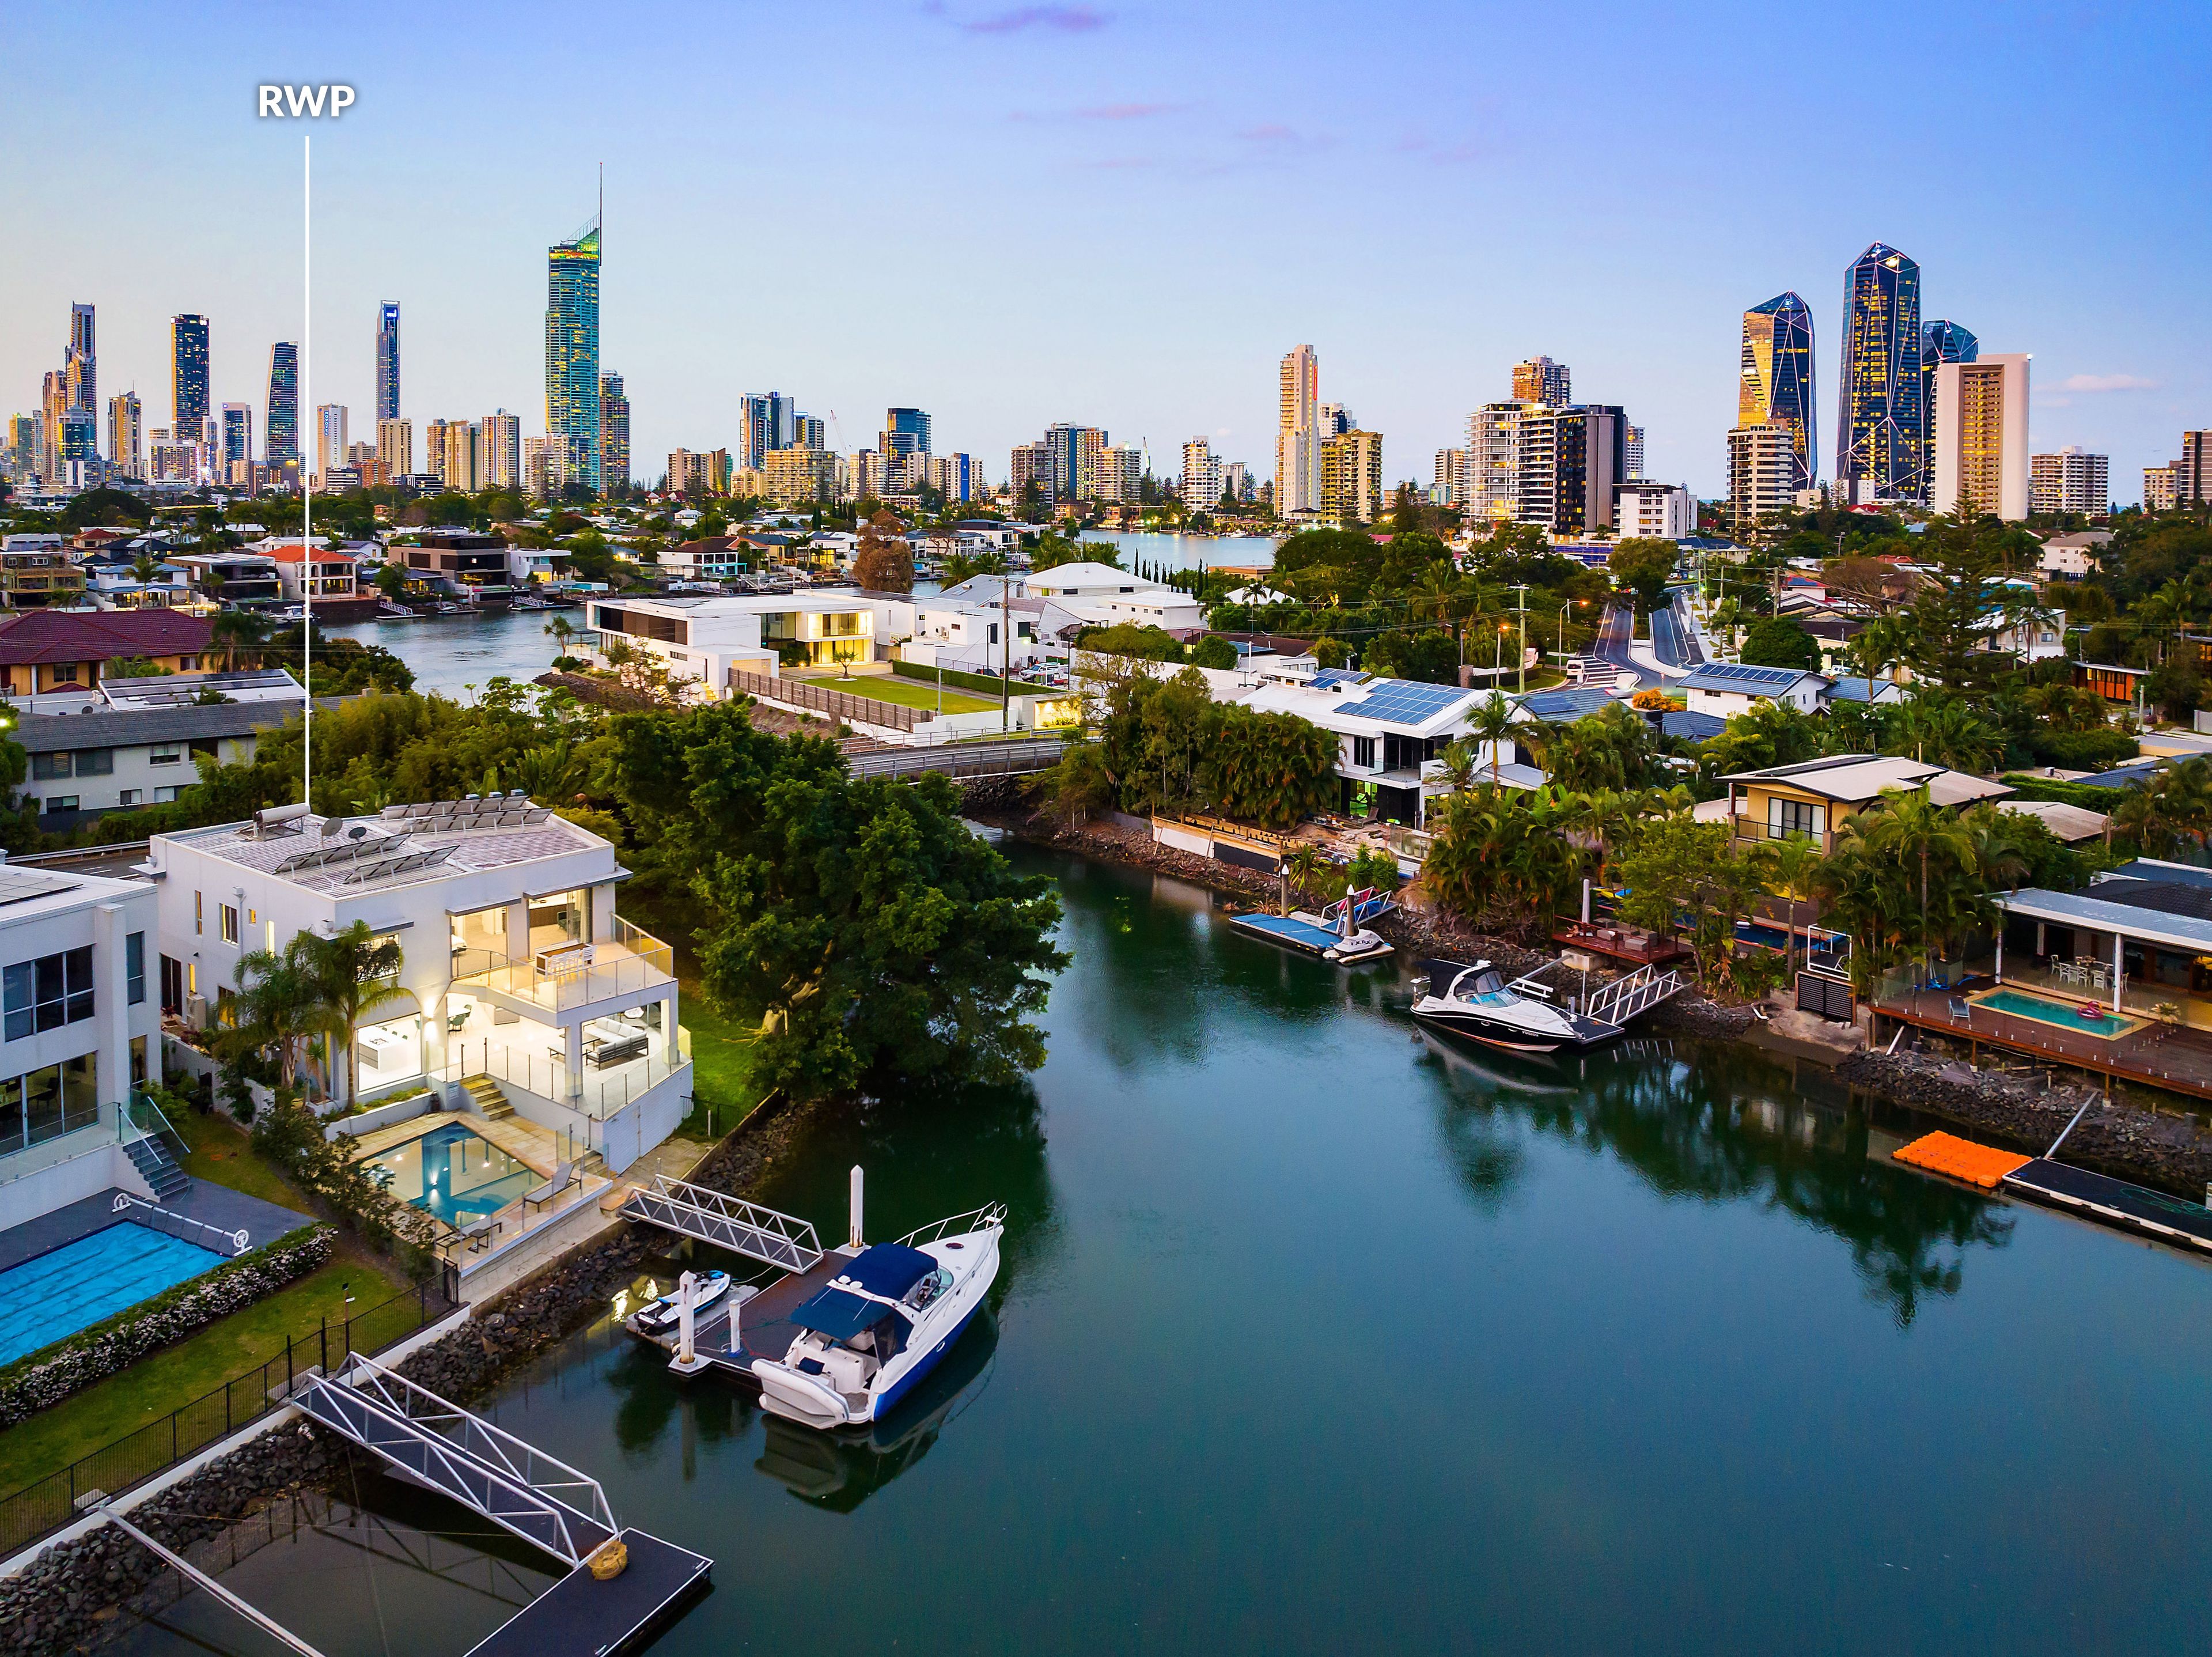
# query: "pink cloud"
(1064, 20)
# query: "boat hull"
(1496, 1035)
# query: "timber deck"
(765, 1329)
(2155, 1054)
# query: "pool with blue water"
(453, 1174)
(54, 1295)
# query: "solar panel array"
(343, 851)
(1742, 673)
(1328, 678)
(1403, 702)
(18, 885)
(491, 811)
(405, 864)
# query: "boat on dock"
(1339, 932)
(1526, 1015)
(841, 1336)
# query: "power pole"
(1006, 648)
(1521, 609)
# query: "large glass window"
(134, 968)
(559, 918)
(48, 992)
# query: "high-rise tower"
(1540, 379)
(614, 434)
(1881, 439)
(1297, 433)
(82, 369)
(572, 358)
(188, 377)
(387, 361)
(1941, 342)
(282, 423)
(1777, 383)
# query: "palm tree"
(1302, 867)
(275, 1008)
(1494, 721)
(1458, 762)
(354, 973)
(236, 631)
(1910, 831)
(560, 631)
(1792, 867)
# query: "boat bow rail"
(957, 1225)
(1641, 991)
(726, 1222)
(514, 1485)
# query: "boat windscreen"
(1485, 984)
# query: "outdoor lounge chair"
(478, 1233)
(564, 1175)
(1962, 1008)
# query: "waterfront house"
(81, 1026)
(1389, 732)
(239, 580)
(465, 563)
(523, 988)
(705, 638)
(1813, 799)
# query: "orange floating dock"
(1961, 1159)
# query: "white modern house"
(1095, 593)
(703, 637)
(516, 971)
(1389, 732)
(81, 1026)
(1725, 688)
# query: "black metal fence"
(50, 1503)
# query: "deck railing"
(599, 1094)
(853, 709)
(629, 963)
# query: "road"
(1671, 654)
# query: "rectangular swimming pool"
(56, 1294)
(2065, 1015)
(452, 1172)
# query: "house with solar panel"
(525, 1003)
(1725, 688)
(1389, 732)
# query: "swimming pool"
(453, 1174)
(2065, 1015)
(56, 1294)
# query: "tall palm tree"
(275, 1008)
(353, 976)
(1913, 831)
(1792, 867)
(1495, 721)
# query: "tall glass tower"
(281, 426)
(1879, 437)
(387, 361)
(906, 431)
(614, 434)
(572, 358)
(1778, 376)
(1941, 342)
(188, 377)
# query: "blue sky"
(1118, 214)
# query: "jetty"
(2060, 1185)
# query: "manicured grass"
(153, 1387)
(723, 1091)
(908, 693)
(222, 1153)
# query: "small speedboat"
(1476, 1001)
(883, 1323)
(659, 1317)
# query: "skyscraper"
(767, 421)
(1631, 455)
(1941, 342)
(1351, 476)
(395, 447)
(188, 376)
(82, 364)
(501, 466)
(1297, 435)
(1981, 437)
(1494, 463)
(235, 461)
(906, 431)
(1763, 471)
(125, 435)
(1201, 475)
(808, 432)
(2071, 480)
(387, 361)
(1570, 460)
(1540, 379)
(572, 356)
(329, 439)
(281, 426)
(614, 434)
(1776, 378)
(53, 402)
(1880, 435)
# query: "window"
(45, 767)
(48, 992)
(95, 762)
(172, 984)
(134, 968)
(61, 802)
(1363, 752)
(163, 796)
(229, 925)
(1788, 818)
(199, 913)
(127, 797)
(64, 673)
(165, 753)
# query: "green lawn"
(154, 1386)
(907, 693)
(723, 1092)
(222, 1153)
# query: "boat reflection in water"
(839, 1470)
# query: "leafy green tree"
(1145, 644)
(1780, 641)
(1430, 657)
(1643, 568)
(1214, 651)
(350, 974)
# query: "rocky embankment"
(70, 1598)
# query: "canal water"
(1319, 1335)
(459, 655)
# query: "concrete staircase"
(488, 1101)
(151, 1158)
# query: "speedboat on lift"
(1523, 1017)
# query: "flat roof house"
(462, 561)
(514, 965)
(704, 637)
(82, 1027)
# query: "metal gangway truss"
(728, 1222)
(1617, 1003)
(514, 1485)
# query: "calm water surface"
(1318, 1336)
(462, 654)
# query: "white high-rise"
(1981, 437)
(1493, 462)
(330, 438)
(1201, 476)
(1297, 433)
(2071, 480)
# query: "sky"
(1119, 215)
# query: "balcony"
(631, 965)
(532, 1058)
(1752, 830)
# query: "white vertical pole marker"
(306, 472)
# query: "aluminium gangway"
(1641, 991)
(522, 1490)
(728, 1222)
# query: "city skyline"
(1151, 347)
